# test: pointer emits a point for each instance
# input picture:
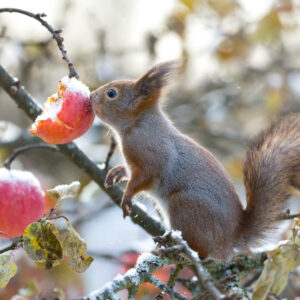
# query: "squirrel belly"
(192, 188)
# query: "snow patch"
(54, 103)
(145, 256)
(15, 176)
(76, 86)
(50, 109)
(177, 234)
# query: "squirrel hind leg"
(198, 228)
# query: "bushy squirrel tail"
(271, 168)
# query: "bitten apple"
(66, 115)
(22, 201)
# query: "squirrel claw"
(114, 176)
(126, 206)
(126, 212)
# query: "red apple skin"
(22, 201)
(74, 119)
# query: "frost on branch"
(149, 263)
(132, 279)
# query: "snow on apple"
(22, 201)
(66, 115)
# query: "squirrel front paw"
(114, 176)
(126, 206)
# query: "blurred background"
(241, 72)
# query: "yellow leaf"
(277, 267)
(75, 250)
(8, 269)
(42, 245)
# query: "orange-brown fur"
(193, 190)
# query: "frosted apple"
(66, 115)
(21, 201)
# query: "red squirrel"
(191, 188)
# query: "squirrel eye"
(111, 93)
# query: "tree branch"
(146, 265)
(55, 34)
(12, 246)
(25, 102)
(21, 150)
(202, 274)
(149, 263)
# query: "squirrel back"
(190, 186)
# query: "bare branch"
(288, 216)
(21, 150)
(55, 34)
(10, 247)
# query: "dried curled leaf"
(64, 191)
(8, 269)
(277, 267)
(42, 245)
(75, 250)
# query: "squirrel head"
(122, 101)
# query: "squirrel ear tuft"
(156, 78)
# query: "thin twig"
(289, 217)
(174, 275)
(111, 151)
(171, 281)
(23, 149)
(55, 34)
(12, 246)
(161, 285)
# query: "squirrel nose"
(93, 97)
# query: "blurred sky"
(126, 23)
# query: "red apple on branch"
(66, 115)
(21, 201)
